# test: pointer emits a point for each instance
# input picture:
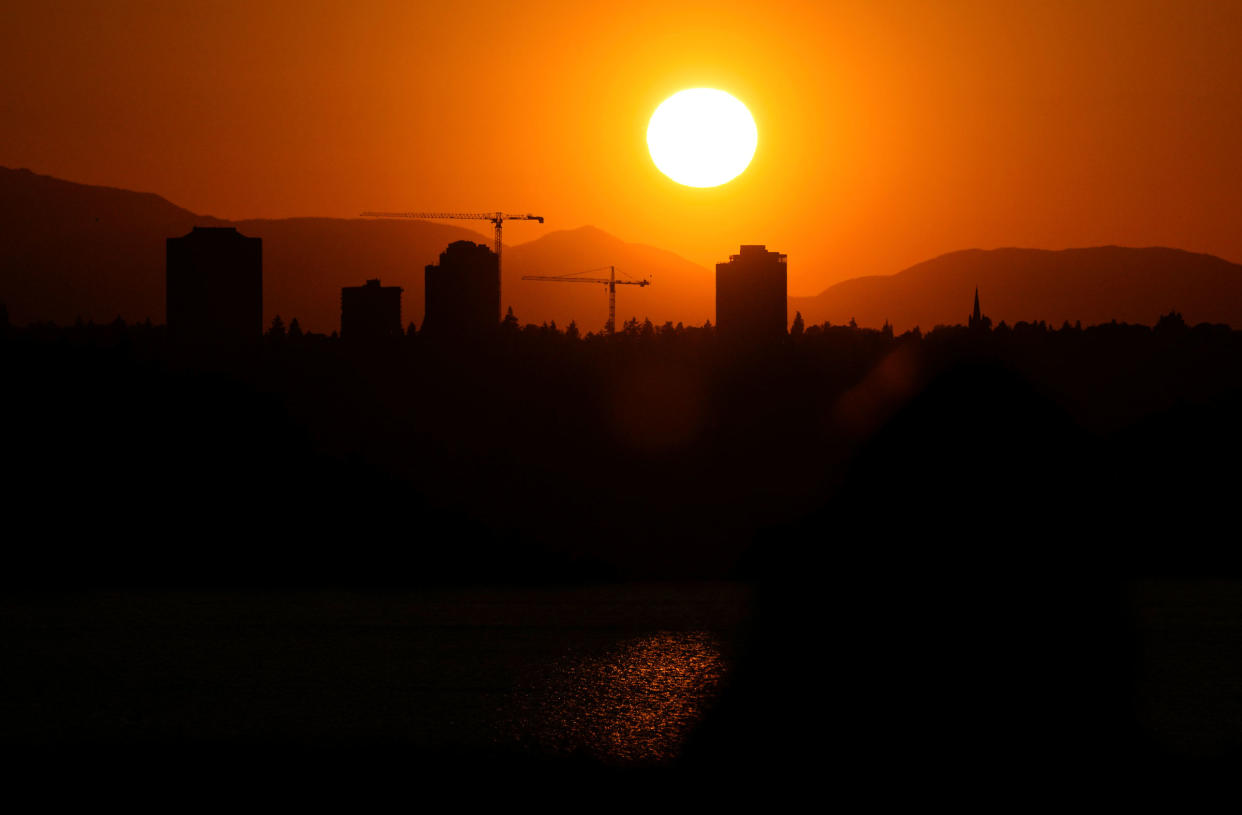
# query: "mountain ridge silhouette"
(1092, 285)
(74, 250)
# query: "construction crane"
(611, 282)
(497, 219)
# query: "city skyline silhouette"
(115, 271)
(902, 461)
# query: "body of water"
(616, 674)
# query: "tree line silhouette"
(541, 452)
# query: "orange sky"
(888, 132)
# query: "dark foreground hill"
(977, 529)
(1093, 285)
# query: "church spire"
(976, 319)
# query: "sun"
(702, 137)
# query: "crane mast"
(611, 282)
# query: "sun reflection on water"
(633, 703)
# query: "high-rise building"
(751, 295)
(214, 287)
(370, 312)
(463, 291)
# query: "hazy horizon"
(487, 239)
(888, 134)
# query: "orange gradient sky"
(888, 132)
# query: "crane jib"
(497, 219)
(610, 281)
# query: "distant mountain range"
(70, 250)
(1092, 285)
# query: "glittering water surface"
(633, 702)
(619, 673)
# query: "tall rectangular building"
(370, 312)
(463, 291)
(214, 287)
(752, 301)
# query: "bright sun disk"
(702, 137)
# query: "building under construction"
(751, 295)
(370, 312)
(463, 291)
(214, 287)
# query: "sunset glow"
(890, 132)
(463, 396)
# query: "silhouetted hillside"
(71, 250)
(1092, 285)
(75, 250)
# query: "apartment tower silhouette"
(751, 295)
(370, 312)
(463, 291)
(214, 287)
